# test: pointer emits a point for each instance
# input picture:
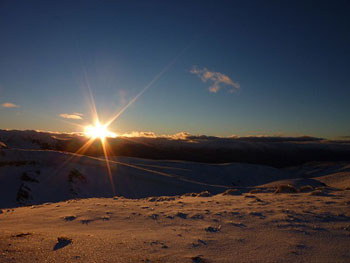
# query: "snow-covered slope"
(263, 227)
(37, 176)
(28, 139)
(69, 220)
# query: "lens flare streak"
(104, 147)
(100, 131)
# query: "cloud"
(9, 105)
(226, 142)
(142, 134)
(135, 134)
(74, 116)
(218, 79)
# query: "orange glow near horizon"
(98, 131)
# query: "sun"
(99, 131)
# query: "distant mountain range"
(273, 151)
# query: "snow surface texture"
(60, 207)
(30, 177)
(261, 227)
(37, 176)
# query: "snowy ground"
(60, 207)
(262, 227)
(37, 176)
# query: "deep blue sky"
(291, 59)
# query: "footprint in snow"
(213, 229)
(257, 214)
(198, 259)
(86, 221)
(69, 218)
(62, 242)
(154, 216)
(199, 243)
(22, 234)
(181, 215)
(239, 224)
(197, 216)
(159, 243)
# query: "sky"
(218, 68)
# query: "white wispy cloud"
(140, 134)
(74, 116)
(9, 105)
(148, 134)
(218, 79)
